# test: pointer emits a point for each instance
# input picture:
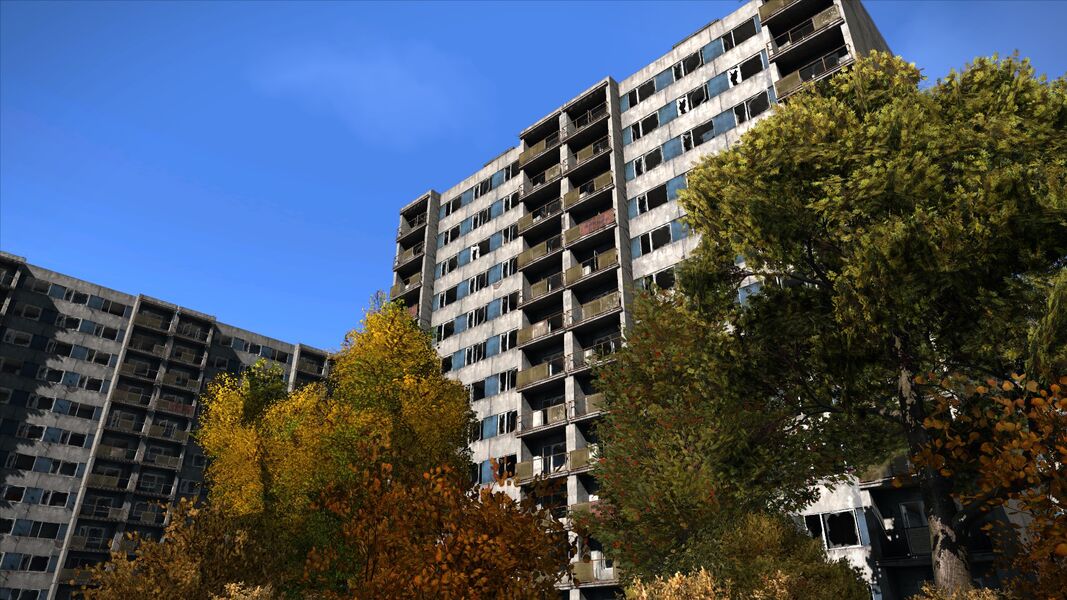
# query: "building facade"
(524, 271)
(98, 396)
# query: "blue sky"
(248, 159)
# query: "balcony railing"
(181, 380)
(74, 576)
(589, 405)
(590, 151)
(162, 460)
(598, 352)
(191, 332)
(407, 226)
(542, 328)
(811, 71)
(587, 118)
(549, 210)
(604, 260)
(187, 356)
(804, 31)
(405, 285)
(410, 253)
(553, 464)
(175, 408)
(175, 435)
(586, 189)
(152, 321)
(582, 458)
(127, 425)
(589, 226)
(145, 345)
(547, 285)
(90, 544)
(550, 174)
(116, 453)
(543, 249)
(137, 370)
(601, 305)
(599, 570)
(539, 148)
(106, 481)
(772, 7)
(104, 512)
(149, 517)
(131, 397)
(545, 370)
(551, 415)
(157, 490)
(310, 367)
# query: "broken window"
(841, 529)
(655, 197)
(653, 159)
(18, 338)
(703, 133)
(31, 312)
(813, 523)
(912, 514)
(739, 34)
(751, 66)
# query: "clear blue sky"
(248, 159)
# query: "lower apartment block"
(525, 270)
(98, 397)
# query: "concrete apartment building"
(98, 395)
(524, 270)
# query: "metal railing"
(597, 570)
(591, 151)
(587, 118)
(103, 512)
(146, 345)
(589, 405)
(542, 328)
(589, 226)
(406, 226)
(804, 31)
(308, 366)
(539, 148)
(405, 285)
(192, 332)
(410, 253)
(181, 380)
(152, 321)
(811, 71)
(551, 209)
(186, 356)
(131, 397)
(541, 250)
(175, 408)
(604, 260)
(139, 370)
(588, 188)
(543, 287)
(599, 306)
(116, 453)
(542, 417)
(540, 372)
(536, 181)
(161, 432)
(597, 352)
(773, 7)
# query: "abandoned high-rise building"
(525, 269)
(98, 395)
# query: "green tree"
(896, 231)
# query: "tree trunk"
(950, 561)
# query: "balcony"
(147, 346)
(90, 544)
(152, 321)
(542, 372)
(552, 283)
(600, 262)
(410, 254)
(592, 150)
(587, 118)
(407, 226)
(601, 305)
(149, 517)
(549, 210)
(175, 408)
(587, 189)
(162, 460)
(597, 353)
(103, 512)
(806, 30)
(191, 332)
(107, 482)
(140, 371)
(182, 381)
(116, 453)
(75, 577)
(131, 398)
(547, 465)
(539, 148)
(544, 177)
(589, 226)
(552, 324)
(590, 405)
(187, 356)
(154, 490)
(169, 434)
(532, 255)
(582, 459)
(813, 71)
(311, 368)
(543, 418)
(124, 425)
(405, 284)
(599, 571)
(771, 8)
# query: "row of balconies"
(115, 483)
(555, 138)
(158, 323)
(563, 463)
(804, 31)
(131, 398)
(562, 365)
(154, 431)
(130, 455)
(570, 236)
(557, 281)
(560, 414)
(174, 379)
(561, 321)
(154, 515)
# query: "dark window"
(841, 530)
